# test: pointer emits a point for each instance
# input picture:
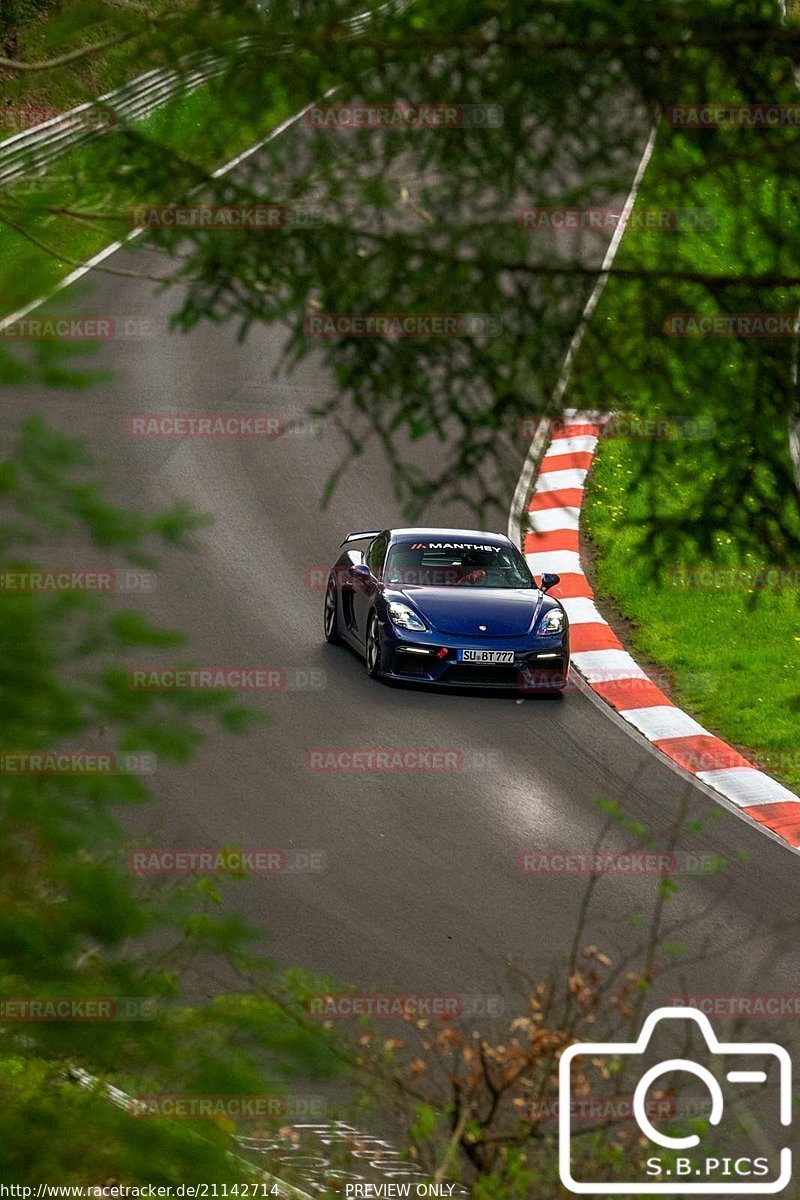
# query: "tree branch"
(47, 64)
(74, 262)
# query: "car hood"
(505, 612)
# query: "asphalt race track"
(422, 891)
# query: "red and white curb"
(551, 544)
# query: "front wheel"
(331, 618)
(372, 656)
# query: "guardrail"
(32, 151)
(120, 1099)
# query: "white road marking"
(663, 721)
(554, 481)
(581, 610)
(564, 562)
(747, 786)
(545, 520)
(579, 444)
(606, 666)
(584, 416)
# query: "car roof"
(449, 535)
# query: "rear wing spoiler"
(363, 533)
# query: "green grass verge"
(734, 654)
(40, 239)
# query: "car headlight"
(405, 617)
(552, 621)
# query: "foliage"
(392, 221)
(566, 94)
(75, 922)
(478, 1099)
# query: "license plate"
(486, 656)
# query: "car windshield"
(456, 564)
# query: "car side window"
(376, 554)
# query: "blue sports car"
(452, 607)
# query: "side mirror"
(361, 573)
(549, 580)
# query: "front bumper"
(540, 663)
